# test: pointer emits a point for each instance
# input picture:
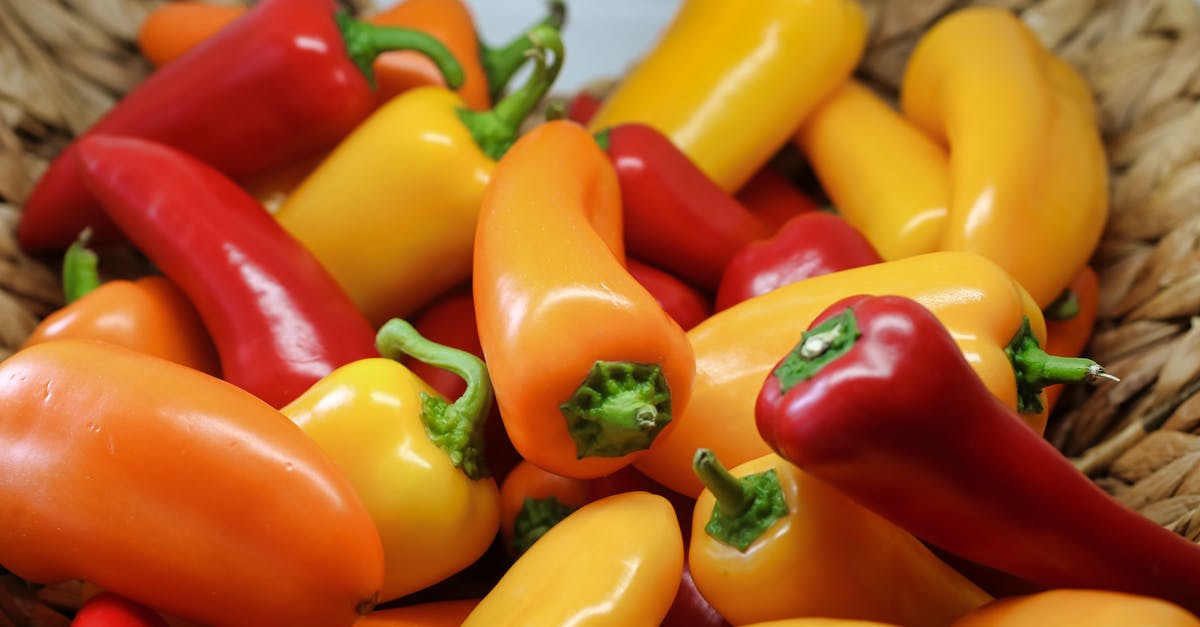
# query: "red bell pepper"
(582, 106)
(878, 401)
(279, 320)
(682, 302)
(773, 199)
(111, 610)
(285, 81)
(809, 245)
(676, 218)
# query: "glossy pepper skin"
(882, 405)
(675, 217)
(407, 185)
(884, 174)
(1070, 321)
(684, 303)
(736, 348)
(627, 577)
(588, 368)
(279, 321)
(796, 51)
(1027, 163)
(297, 92)
(413, 458)
(1066, 607)
(138, 476)
(808, 245)
(111, 610)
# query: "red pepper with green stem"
(808, 245)
(286, 81)
(675, 217)
(877, 400)
(279, 321)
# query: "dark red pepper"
(285, 81)
(773, 199)
(279, 320)
(687, 306)
(110, 610)
(582, 106)
(676, 218)
(878, 401)
(690, 608)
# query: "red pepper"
(878, 401)
(285, 81)
(676, 218)
(682, 302)
(809, 245)
(582, 106)
(690, 608)
(773, 199)
(279, 320)
(111, 610)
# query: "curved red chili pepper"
(280, 83)
(279, 320)
(682, 302)
(676, 218)
(878, 401)
(809, 245)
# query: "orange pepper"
(433, 614)
(1068, 607)
(173, 28)
(533, 500)
(587, 368)
(1068, 335)
(177, 490)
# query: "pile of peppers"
(419, 350)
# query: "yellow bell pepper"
(771, 542)
(885, 176)
(1068, 607)
(415, 460)
(1028, 177)
(981, 305)
(391, 212)
(729, 82)
(617, 561)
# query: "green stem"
(1065, 307)
(745, 508)
(818, 346)
(1035, 369)
(496, 130)
(536, 517)
(365, 41)
(79, 271)
(620, 407)
(501, 64)
(456, 428)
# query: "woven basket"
(64, 62)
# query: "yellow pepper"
(1067, 608)
(391, 212)
(1028, 180)
(979, 303)
(770, 542)
(617, 561)
(885, 176)
(415, 460)
(729, 82)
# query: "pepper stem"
(1065, 307)
(536, 517)
(745, 507)
(365, 41)
(79, 270)
(496, 130)
(620, 407)
(456, 428)
(1035, 369)
(501, 63)
(818, 346)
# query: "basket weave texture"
(64, 62)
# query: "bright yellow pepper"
(416, 461)
(729, 82)
(1067, 608)
(980, 304)
(617, 561)
(1028, 180)
(771, 542)
(391, 212)
(885, 176)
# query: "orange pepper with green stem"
(391, 212)
(414, 459)
(588, 368)
(533, 500)
(984, 308)
(770, 542)
(756, 73)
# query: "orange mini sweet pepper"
(588, 369)
(1070, 320)
(1068, 607)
